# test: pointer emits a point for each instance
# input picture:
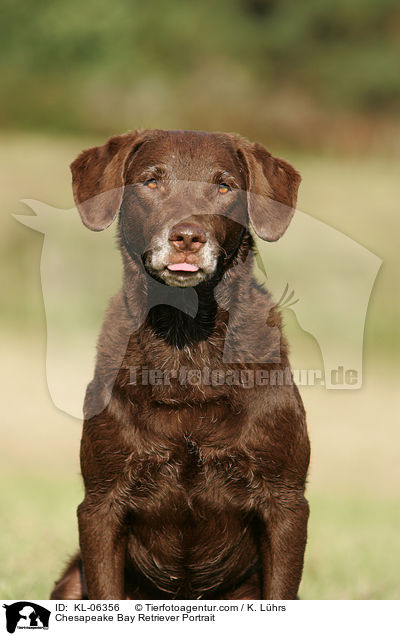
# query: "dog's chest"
(195, 463)
(167, 375)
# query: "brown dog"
(194, 476)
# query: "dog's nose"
(187, 237)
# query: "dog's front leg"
(103, 549)
(283, 546)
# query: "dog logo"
(26, 615)
(301, 270)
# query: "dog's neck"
(192, 322)
(185, 316)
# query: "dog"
(194, 476)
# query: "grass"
(353, 550)
(38, 533)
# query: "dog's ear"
(271, 191)
(98, 179)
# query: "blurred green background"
(317, 82)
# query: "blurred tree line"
(102, 67)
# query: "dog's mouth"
(182, 274)
(183, 267)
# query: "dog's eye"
(151, 183)
(223, 188)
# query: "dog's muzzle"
(183, 256)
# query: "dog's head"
(185, 198)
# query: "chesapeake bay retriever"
(194, 451)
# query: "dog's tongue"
(183, 267)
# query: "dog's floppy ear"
(98, 179)
(271, 191)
